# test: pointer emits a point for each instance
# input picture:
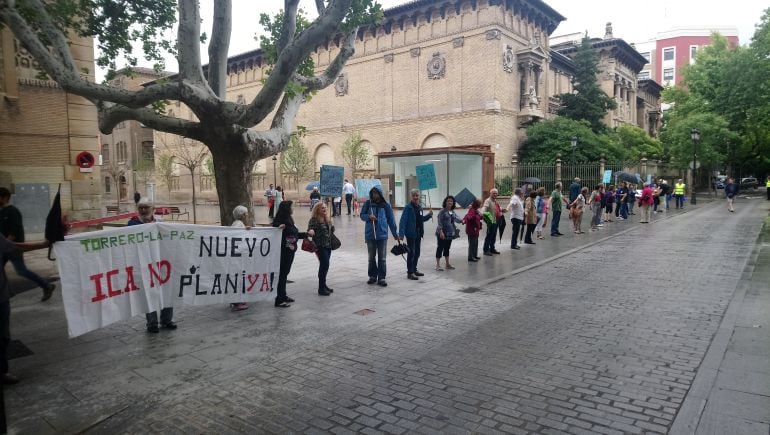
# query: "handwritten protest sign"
(426, 176)
(112, 275)
(364, 185)
(607, 178)
(332, 178)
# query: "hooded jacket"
(378, 230)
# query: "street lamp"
(695, 136)
(573, 143)
(275, 173)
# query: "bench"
(259, 202)
(176, 213)
(304, 202)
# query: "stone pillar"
(514, 170)
(643, 167)
(558, 169)
(602, 163)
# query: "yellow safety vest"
(679, 189)
(767, 184)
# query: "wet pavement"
(605, 332)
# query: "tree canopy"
(547, 140)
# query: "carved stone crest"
(493, 34)
(458, 42)
(388, 58)
(414, 52)
(341, 85)
(436, 66)
(508, 59)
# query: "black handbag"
(335, 241)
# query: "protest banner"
(364, 185)
(115, 274)
(426, 176)
(332, 178)
(607, 178)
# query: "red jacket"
(646, 198)
(472, 221)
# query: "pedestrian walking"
(731, 191)
(378, 215)
(12, 228)
(411, 225)
(289, 237)
(632, 194)
(9, 250)
(645, 202)
(349, 191)
(494, 214)
(557, 203)
(576, 211)
(315, 197)
(137, 197)
(472, 221)
(609, 201)
(665, 193)
(146, 215)
(270, 195)
(595, 202)
(530, 216)
(240, 216)
(540, 205)
(445, 232)
(679, 189)
(516, 206)
(278, 196)
(337, 206)
(321, 226)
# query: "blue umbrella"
(312, 185)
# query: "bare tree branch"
(55, 36)
(320, 6)
(112, 114)
(271, 142)
(188, 42)
(219, 46)
(333, 70)
(325, 26)
(289, 23)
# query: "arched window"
(435, 140)
(106, 154)
(148, 151)
(121, 152)
(324, 155)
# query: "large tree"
(588, 102)
(547, 140)
(228, 129)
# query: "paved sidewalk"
(564, 344)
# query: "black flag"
(54, 228)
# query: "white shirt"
(238, 224)
(516, 207)
(348, 189)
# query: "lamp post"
(573, 144)
(695, 136)
(275, 173)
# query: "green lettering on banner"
(113, 242)
(131, 238)
(85, 243)
(103, 242)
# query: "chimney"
(608, 31)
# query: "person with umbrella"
(494, 214)
(315, 196)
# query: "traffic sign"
(85, 160)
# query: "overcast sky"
(632, 20)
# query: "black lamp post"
(573, 143)
(695, 136)
(275, 172)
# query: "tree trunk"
(192, 175)
(232, 171)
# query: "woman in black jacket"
(289, 239)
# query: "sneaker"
(418, 273)
(282, 305)
(48, 292)
(382, 283)
(371, 280)
(411, 276)
(172, 325)
(600, 225)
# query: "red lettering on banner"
(97, 279)
(265, 284)
(253, 280)
(159, 273)
(130, 284)
(110, 291)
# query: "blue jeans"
(624, 210)
(166, 315)
(21, 269)
(413, 255)
(668, 200)
(555, 222)
(324, 255)
(489, 240)
(377, 249)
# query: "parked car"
(749, 182)
(720, 181)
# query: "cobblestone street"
(589, 335)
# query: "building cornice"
(621, 50)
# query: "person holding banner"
(378, 215)
(289, 237)
(411, 226)
(9, 250)
(321, 226)
(146, 215)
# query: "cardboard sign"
(426, 176)
(607, 178)
(364, 185)
(332, 179)
(112, 275)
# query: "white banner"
(112, 275)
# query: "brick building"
(42, 131)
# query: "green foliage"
(547, 140)
(637, 143)
(117, 26)
(589, 102)
(269, 41)
(144, 168)
(165, 170)
(715, 136)
(210, 166)
(504, 185)
(355, 153)
(296, 160)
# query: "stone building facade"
(43, 129)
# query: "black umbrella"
(464, 198)
(625, 176)
(501, 227)
(531, 180)
(54, 226)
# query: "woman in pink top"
(645, 201)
